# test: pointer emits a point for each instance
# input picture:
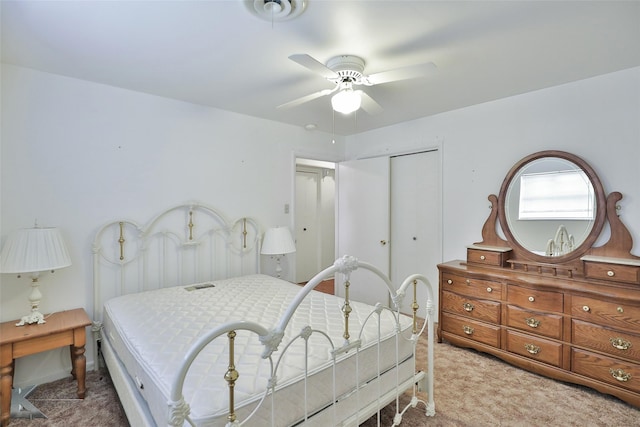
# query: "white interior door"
(415, 220)
(307, 246)
(363, 223)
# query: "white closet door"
(363, 223)
(415, 220)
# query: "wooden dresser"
(571, 316)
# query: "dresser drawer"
(488, 257)
(536, 348)
(534, 299)
(605, 340)
(549, 325)
(485, 289)
(488, 311)
(607, 369)
(612, 272)
(620, 316)
(471, 329)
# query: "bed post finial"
(346, 264)
(271, 341)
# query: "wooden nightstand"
(61, 329)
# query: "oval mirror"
(552, 206)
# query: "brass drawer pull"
(531, 322)
(489, 289)
(467, 330)
(450, 282)
(611, 273)
(620, 310)
(468, 281)
(620, 344)
(586, 308)
(531, 299)
(482, 257)
(468, 306)
(620, 375)
(533, 349)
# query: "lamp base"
(33, 317)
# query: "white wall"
(77, 155)
(597, 119)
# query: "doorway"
(314, 217)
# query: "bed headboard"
(185, 244)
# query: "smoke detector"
(276, 10)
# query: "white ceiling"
(216, 53)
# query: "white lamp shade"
(32, 250)
(346, 101)
(278, 241)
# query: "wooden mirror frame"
(519, 251)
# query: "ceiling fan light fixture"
(346, 101)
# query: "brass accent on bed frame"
(415, 306)
(244, 233)
(346, 309)
(121, 240)
(190, 225)
(231, 376)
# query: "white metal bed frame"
(193, 243)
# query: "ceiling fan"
(346, 71)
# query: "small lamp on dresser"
(34, 251)
(278, 242)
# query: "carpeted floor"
(471, 390)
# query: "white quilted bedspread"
(151, 331)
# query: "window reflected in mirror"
(556, 195)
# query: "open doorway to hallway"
(315, 185)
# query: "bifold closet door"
(363, 223)
(415, 220)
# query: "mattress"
(151, 331)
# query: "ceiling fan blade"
(314, 65)
(403, 73)
(369, 104)
(305, 98)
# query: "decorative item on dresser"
(545, 298)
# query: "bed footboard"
(365, 398)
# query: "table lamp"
(34, 250)
(278, 242)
